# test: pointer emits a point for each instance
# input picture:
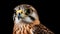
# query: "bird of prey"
(26, 21)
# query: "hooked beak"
(18, 12)
(19, 15)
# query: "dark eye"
(27, 11)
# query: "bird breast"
(23, 29)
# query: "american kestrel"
(26, 21)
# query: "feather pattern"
(28, 23)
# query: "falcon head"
(25, 13)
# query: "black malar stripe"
(32, 18)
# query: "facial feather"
(28, 16)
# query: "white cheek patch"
(34, 15)
(27, 19)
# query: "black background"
(46, 11)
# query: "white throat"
(16, 20)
